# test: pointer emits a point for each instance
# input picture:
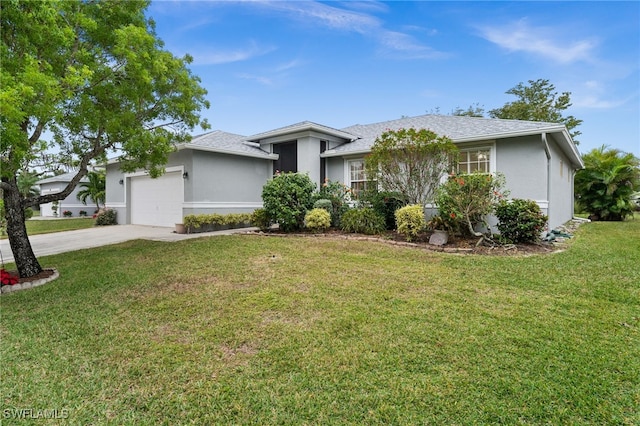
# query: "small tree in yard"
(465, 200)
(286, 199)
(95, 189)
(411, 162)
(95, 76)
(606, 186)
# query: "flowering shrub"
(82, 213)
(520, 221)
(410, 220)
(67, 213)
(317, 220)
(464, 200)
(8, 279)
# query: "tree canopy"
(538, 101)
(95, 76)
(410, 162)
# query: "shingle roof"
(225, 142)
(302, 126)
(456, 128)
(64, 177)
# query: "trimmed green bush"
(106, 217)
(28, 213)
(286, 198)
(261, 219)
(324, 203)
(317, 220)
(410, 221)
(214, 221)
(362, 221)
(520, 221)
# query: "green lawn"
(266, 330)
(47, 226)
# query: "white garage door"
(157, 202)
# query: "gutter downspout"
(547, 152)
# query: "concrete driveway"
(61, 242)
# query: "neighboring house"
(71, 203)
(220, 172)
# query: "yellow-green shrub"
(317, 220)
(410, 220)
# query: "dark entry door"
(288, 161)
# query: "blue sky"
(268, 64)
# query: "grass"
(260, 330)
(48, 226)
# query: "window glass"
(475, 161)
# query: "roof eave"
(302, 128)
(265, 156)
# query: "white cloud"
(597, 95)
(407, 46)
(397, 44)
(265, 81)
(522, 37)
(214, 55)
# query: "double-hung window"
(356, 176)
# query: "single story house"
(70, 203)
(220, 172)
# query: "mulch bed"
(454, 245)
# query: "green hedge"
(214, 222)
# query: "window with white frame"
(356, 176)
(476, 160)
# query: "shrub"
(286, 198)
(323, 203)
(464, 200)
(606, 185)
(317, 220)
(520, 221)
(385, 203)
(338, 194)
(28, 213)
(363, 221)
(82, 213)
(261, 219)
(67, 213)
(410, 220)
(232, 220)
(106, 217)
(410, 161)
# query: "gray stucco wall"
(220, 183)
(70, 203)
(561, 188)
(524, 165)
(335, 169)
(115, 197)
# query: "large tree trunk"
(25, 259)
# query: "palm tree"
(605, 186)
(94, 189)
(27, 184)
